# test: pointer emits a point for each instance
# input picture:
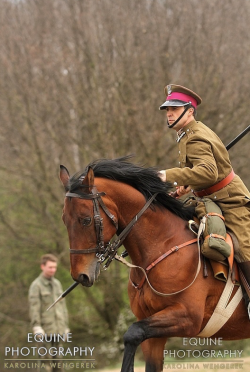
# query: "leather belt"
(218, 186)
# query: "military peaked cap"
(178, 95)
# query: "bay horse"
(117, 197)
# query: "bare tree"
(83, 79)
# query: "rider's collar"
(180, 134)
(187, 129)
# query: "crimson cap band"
(178, 95)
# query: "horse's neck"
(154, 233)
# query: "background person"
(43, 291)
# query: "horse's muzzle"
(88, 279)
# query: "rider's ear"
(64, 177)
(88, 180)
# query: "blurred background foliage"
(82, 80)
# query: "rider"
(206, 170)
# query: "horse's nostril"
(84, 280)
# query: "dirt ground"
(229, 366)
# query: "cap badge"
(169, 90)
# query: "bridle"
(105, 252)
(108, 252)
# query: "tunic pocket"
(46, 297)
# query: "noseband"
(108, 251)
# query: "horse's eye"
(86, 221)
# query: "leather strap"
(213, 214)
(89, 250)
(164, 255)
(100, 248)
(128, 264)
(218, 186)
(128, 228)
(80, 195)
(215, 236)
(179, 118)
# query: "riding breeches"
(237, 221)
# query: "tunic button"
(215, 197)
(175, 183)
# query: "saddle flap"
(220, 268)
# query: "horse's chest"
(143, 303)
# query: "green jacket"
(42, 293)
(203, 162)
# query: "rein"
(153, 264)
(108, 251)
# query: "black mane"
(145, 180)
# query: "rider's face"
(174, 112)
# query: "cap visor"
(173, 102)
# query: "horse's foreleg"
(173, 322)
(132, 339)
(153, 349)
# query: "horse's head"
(91, 216)
(85, 216)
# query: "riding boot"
(244, 269)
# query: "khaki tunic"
(42, 293)
(203, 162)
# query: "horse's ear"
(64, 177)
(88, 180)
